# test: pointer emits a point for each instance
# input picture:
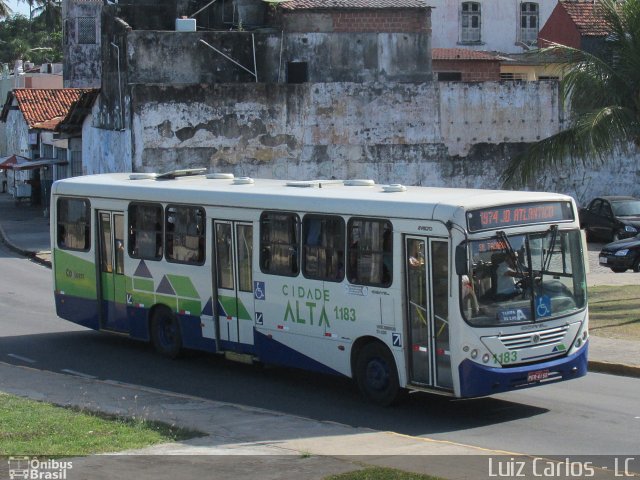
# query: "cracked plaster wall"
(455, 134)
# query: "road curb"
(25, 253)
(614, 368)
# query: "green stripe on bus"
(143, 284)
(183, 286)
(234, 307)
(142, 298)
(74, 276)
(191, 306)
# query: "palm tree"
(49, 10)
(602, 91)
(31, 4)
(5, 11)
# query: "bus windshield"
(524, 278)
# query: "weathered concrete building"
(81, 45)
(316, 89)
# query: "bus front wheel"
(376, 374)
(165, 333)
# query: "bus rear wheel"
(376, 374)
(165, 333)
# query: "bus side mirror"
(462, 266)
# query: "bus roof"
(360, 197)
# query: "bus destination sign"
(521, 214)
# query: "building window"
(279, 239)
(449, 76)
(529, 23)
(86, 30)
(470, 22)
(370, 254)
(297, 72)
(184, 234)
(323, 246)
(73, 224)
(513, 77)
(145, 231)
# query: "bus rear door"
(233, 290)
(112, 289)
(427, 291)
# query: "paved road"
(595, 414)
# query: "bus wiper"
(546, 262)
(510, 251)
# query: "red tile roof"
(350, 4)
(585, 15)
(461, 54)
(45, 108)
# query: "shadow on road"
(291, 391)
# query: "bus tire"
(165, 333)
(377, 375)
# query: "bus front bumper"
(479, 380)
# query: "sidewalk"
(295, 447)
(274, 444)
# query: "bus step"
(239, 357)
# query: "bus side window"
(185, 234)
(323, 247)
(279, 243)
(370, 255)
(73, 228)
(145, 231)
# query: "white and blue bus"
(454, 291)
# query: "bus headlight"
(486, 357)
(579, 342)
(474, 353)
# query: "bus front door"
(233, 245)
(112, 289)
(427, 290)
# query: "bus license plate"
(537, 375)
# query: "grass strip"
(614, 312)
(29, 427)
(380, 473)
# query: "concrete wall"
(18, 140)
(183, 58)
(104, 150)
(497, 113)
(439, 134)
(82, 61)
(322, 128)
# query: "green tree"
(602, 92)
(24, 39)
(48, 11)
